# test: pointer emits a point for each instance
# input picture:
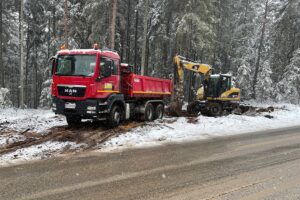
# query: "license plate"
(70, 105)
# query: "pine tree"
(265, 85)
(144, 70)
(1, 61)
(46, 98)
(4, 98)
(285, 37)
(195, 31)
(10, 45)
(113, 24)
(260, 48)
(243, 27)
(66, 22)
(21, 38)
(226, 34)
(243, 80)
(288, 87)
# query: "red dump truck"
(93, 84)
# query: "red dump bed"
(137, 86)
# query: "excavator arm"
(182, 63)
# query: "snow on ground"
(18, 120)
(44, 150)
(10, 139)
(35, 120)
(14, 121)
(180, 129)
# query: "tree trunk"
(147, 56)
(122, 38)
(246, 11)
(21, 54)
(26, 95)
(16, 89)
(145, 37)
(34, 80)
(53, 29)
(128, 31)
(48, 39)
(66, 24)
(1, 62)
(136, 37)
(166, 47)
(261, 43)
(113, 24)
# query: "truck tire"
(149, 112)
(214, 109)
(73, 121)
(159, 111)
(114, 117)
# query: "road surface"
(264, 165)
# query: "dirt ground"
(88, 133)
(91, 134)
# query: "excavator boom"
(183, 63)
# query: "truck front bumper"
(89, 108)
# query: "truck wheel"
(149, 112)
(114, 117)
(73, 120)
(215, 109)
(159, 111)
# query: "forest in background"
(257, 41)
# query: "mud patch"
(82, 138)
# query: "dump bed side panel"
(137, 86)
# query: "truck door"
(109, 73)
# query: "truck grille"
(71, 91)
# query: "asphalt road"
(264, 165)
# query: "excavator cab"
(214, 87)
(217, 85)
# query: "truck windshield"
(76, 65)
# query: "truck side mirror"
(52, 61)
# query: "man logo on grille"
(70, 91)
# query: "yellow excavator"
(216, 94)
